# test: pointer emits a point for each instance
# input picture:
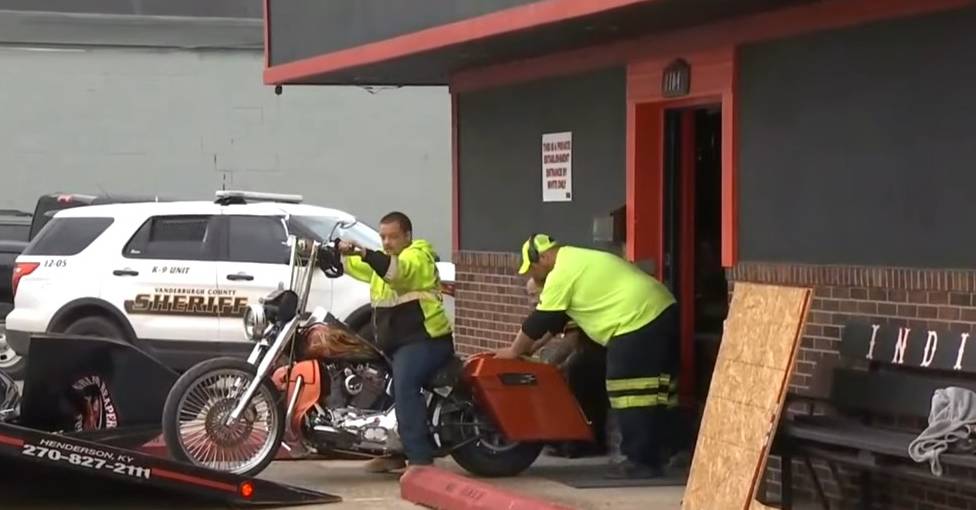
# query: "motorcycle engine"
(361, 385)
(361, 415)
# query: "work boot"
(629, 470)
(386, 464)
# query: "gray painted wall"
(196, 8)
(297, 29)
(500, 142)
(857, 145)
(183, 123)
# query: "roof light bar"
(259, 196)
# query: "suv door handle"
(125, 272)
(240, 276)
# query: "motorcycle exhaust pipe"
(339, 438)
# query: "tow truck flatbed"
(72, 454)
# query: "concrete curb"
(442, 490)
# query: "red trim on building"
(712, 78)
(644, 190)
(786, 22)
(730, 173)
(455, 176)
(513, 19)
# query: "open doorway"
(692, 242)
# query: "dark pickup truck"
(15, 227)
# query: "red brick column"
(490, 300)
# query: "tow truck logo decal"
(96, 407)
(194, 302)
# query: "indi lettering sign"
(557, 167)
(910, 346)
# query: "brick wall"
(491, 303)
(919, 298)
(490, 300)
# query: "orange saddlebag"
(529, 401)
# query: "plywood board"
(745, 399)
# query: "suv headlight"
(255, 322)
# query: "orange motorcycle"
(334, 394)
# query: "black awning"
(440, 51)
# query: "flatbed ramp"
(55, 453)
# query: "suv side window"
(173, 238)
(257, 239)
(67, 236)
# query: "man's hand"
(349, 248)
(506, 353)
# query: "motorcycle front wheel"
(194, 418)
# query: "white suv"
(176, 277)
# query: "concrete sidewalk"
(343, 478)
(367, 491)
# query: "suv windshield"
(321, 228)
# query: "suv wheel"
(95, 326)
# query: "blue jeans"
(413, 365)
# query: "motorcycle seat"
(447, 375)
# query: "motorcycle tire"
(480, 460)
(194, 374)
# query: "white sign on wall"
(557, 167)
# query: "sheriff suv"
(176, 277)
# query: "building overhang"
(430, 55)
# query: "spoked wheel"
(486, 452)
(10, 362)
(195, 419)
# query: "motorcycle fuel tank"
(529, 401)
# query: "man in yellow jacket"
(630, 313)
(410, 324)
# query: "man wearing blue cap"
(627, 311)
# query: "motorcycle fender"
(308, 394)
(528, 400)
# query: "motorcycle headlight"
(255, 322)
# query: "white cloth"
(952, 419)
